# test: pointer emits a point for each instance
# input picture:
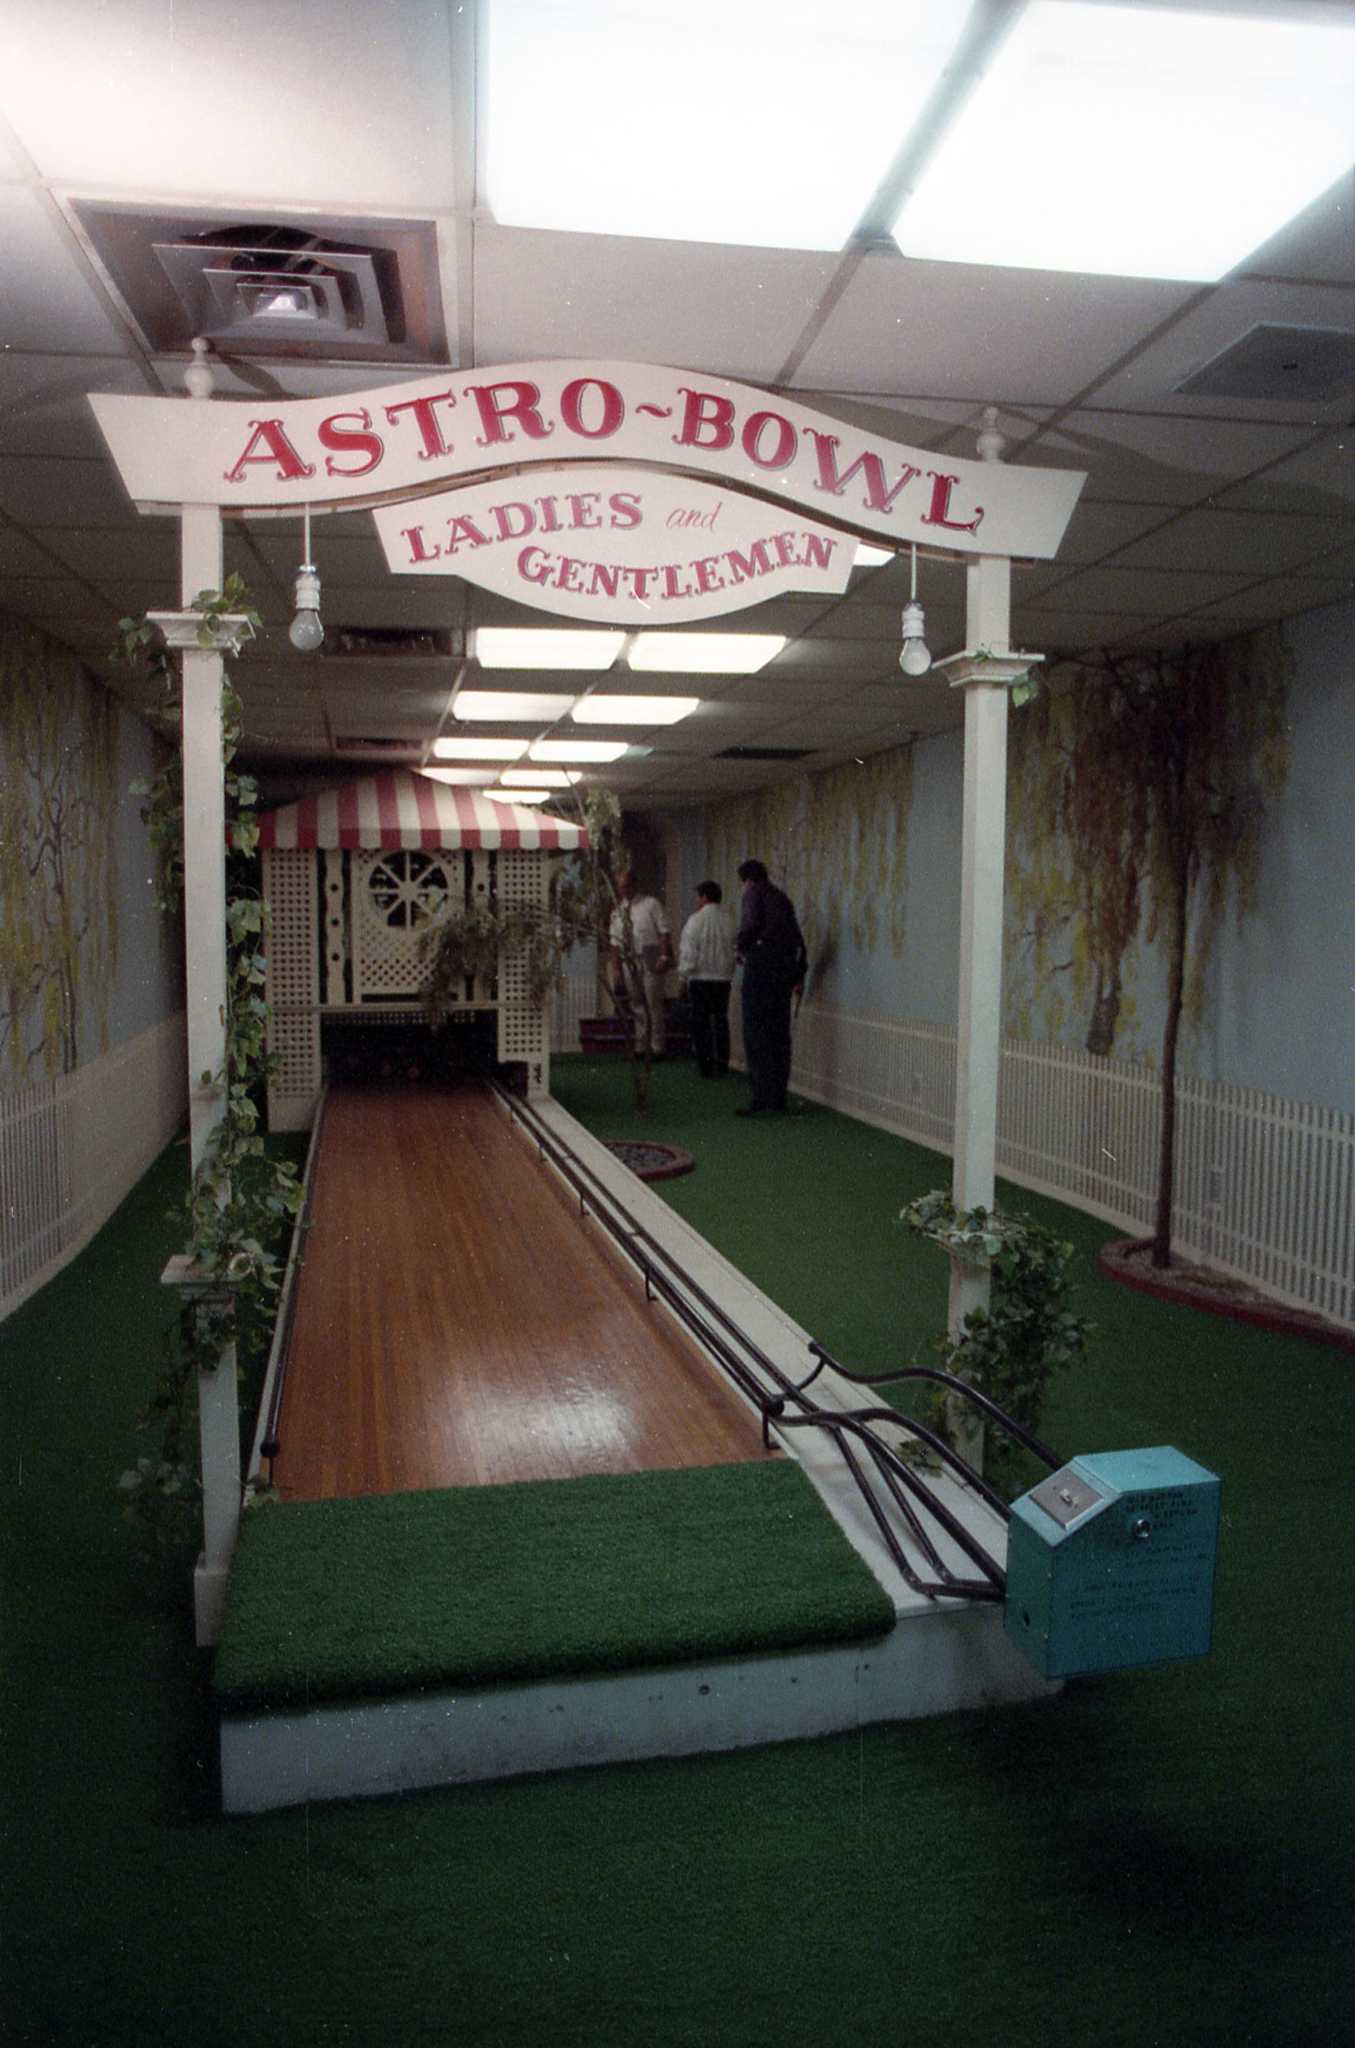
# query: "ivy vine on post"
(240, 1205)
(1011, 1350)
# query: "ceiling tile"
(103, 554)
(1327, 466)
(1319, 243)
(1127, 592)
(959, 331)
(57, 597)
(738, 311)
(300, 100)
(1241, 542)
(1150, 456)
(46, 288)
(22, 555)
(1150, 381)
(64, 492)
(1100, 527)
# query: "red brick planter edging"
(649, 1160)
(1125, 1259)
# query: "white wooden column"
(204, 905)
(985, 671)
(204, 807)
(204, 801)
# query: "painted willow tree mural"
(838, 844)
(58, 899)
(1136, 801)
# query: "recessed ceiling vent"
(1306, 364)
(762, 753)
(392, 643)
(250, 284)
(362, 743)
(345, 290)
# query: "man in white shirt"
(706, 964)
(641, 955)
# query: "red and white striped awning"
(406, 809)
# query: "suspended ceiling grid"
(1202, 517)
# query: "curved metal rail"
(885, 1478)
(267, 1440)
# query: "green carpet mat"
(483, 1585)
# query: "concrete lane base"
(932, 1662)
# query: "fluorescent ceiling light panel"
(460, 778)
(543, 647)
(705, 654)
(1138, 142)
(479, 750)
(517, 796)
(578, 750)
(705, 122)
(602, 709)
(867, 557)
(511, 707)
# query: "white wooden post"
(985, 670)
(204, 894)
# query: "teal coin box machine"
(1110, 1563)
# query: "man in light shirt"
(706, 965)
(641, 955)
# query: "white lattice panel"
(289, 892)
(398, 896)
(293, 985)
(522, 883)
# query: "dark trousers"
(766, 1033)
(709, 1001)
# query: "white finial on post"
(991, 442)
(199, 378)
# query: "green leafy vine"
(241, 1202)
(468, 945)
(1010, 1350)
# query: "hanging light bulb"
(306, 631)
(915, 658)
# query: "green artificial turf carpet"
(1157, 1859)
(482, 1585)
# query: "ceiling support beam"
(987, 28)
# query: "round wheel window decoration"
(649, 1160)
(407, 890)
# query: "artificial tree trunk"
(1176, 983)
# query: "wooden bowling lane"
(457, 1324)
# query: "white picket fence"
(72, 1147)
(1265, 1188)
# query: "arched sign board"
(637, 546)
(610, 529)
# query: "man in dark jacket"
(772, 949)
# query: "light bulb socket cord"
(307, 597)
